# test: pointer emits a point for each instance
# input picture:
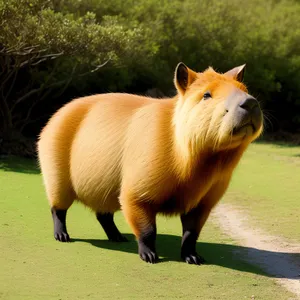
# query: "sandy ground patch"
(277, 257)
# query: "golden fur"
(144, 155)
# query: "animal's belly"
(98, 192)
(176, 205)
(186, 197)
(171, 206)
(96, 182)
(95, 162)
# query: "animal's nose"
(249, 104)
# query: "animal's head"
(214, 111)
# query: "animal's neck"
(222, 162)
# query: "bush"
(47, 45)
(264, 35)
(43, 50)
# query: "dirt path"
(275, 256)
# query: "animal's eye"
(206, 95)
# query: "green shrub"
(42, 51)
(47, 45)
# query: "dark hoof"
(119, 239)
(62, 237)
(193, 259)
(149, 256)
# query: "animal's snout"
(246, 113)
(249, 111)
(249, 104)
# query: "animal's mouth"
(238, 129)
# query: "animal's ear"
(237, 73)
(183, 77)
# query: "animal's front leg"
(192, 222)
(146, 244)
(142, 221)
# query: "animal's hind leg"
(60, 201)
(107, 222)
(59, 222)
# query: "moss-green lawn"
(35, 266)
(266, 185)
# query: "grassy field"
(267, 185)
(35, 266)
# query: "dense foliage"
(44, 51)
(53, 50)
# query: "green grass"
(266, 185)
(35, 266)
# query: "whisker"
(266, 122)
(267, 119)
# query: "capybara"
(146, 156)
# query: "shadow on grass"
(225, 255)
(19, 165)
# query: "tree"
(42, 51)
